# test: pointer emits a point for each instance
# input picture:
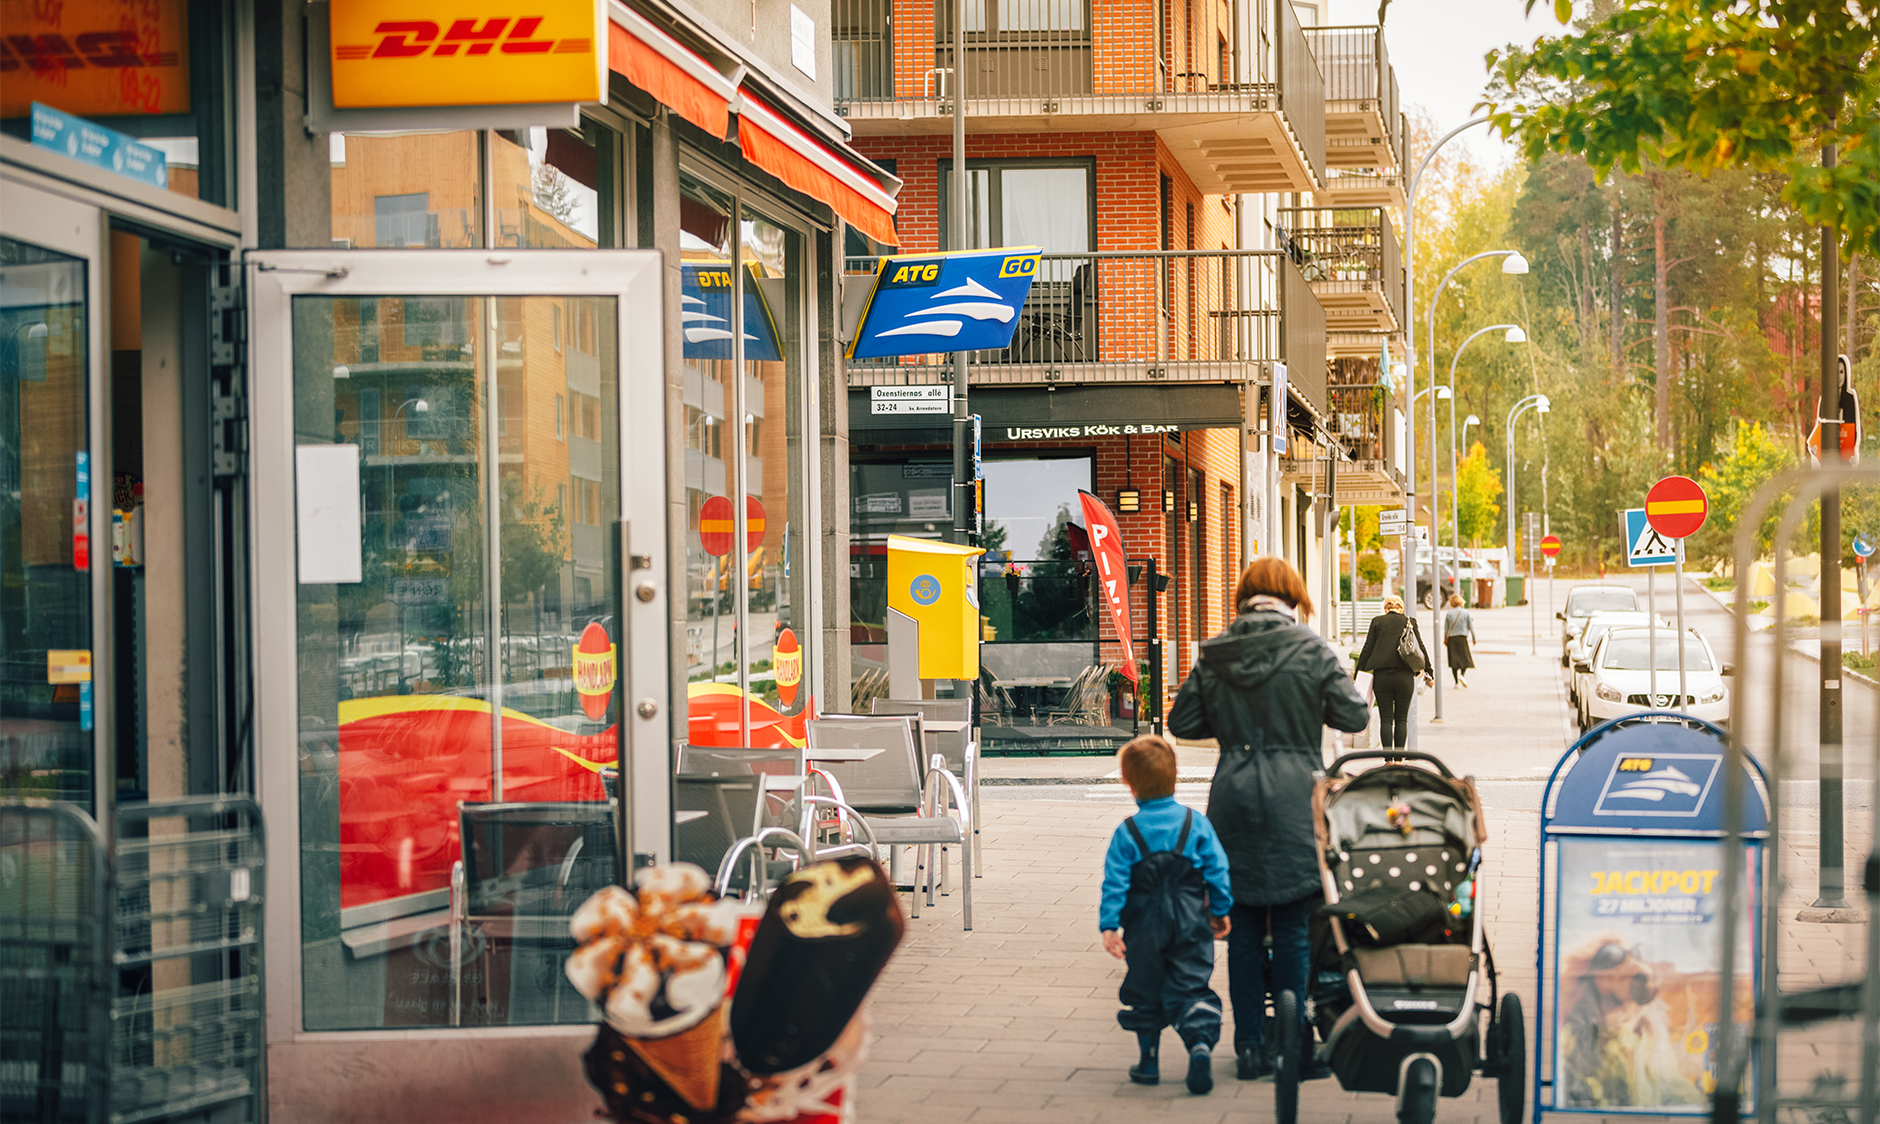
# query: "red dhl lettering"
(105, 50)
(402, 39)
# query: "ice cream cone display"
(702, 1030)
(688, 1061)
(829, 931)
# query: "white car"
(1618, 678)
(1591, 629)
(1585, 600)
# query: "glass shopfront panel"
(748, 648)
(456, 698)
(46, 704)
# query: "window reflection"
(432, 734)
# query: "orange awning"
(813, 168)
(663, 67)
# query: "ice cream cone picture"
(688, 1061)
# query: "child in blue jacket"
(1166, 897)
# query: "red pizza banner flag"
(1106, 544)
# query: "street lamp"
(1514, 264)
(1407, 545)
(1539, 404)
(1515, 335)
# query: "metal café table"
(1033, 687)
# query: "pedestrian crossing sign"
(1644, 546)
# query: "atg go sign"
(945, 302)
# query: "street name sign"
(1676, 507)
(1645, 545)
(1392, 520)
(910, 399)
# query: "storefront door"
(459, 523)
(55, 517)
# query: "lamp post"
(1539, 404)
(1406, 546)
(1512, 263)
(1515, 335)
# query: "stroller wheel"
(1416, 1101)
(1288, 1057)
(1509, 1046)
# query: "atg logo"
(913, 275)
(517, 35)
(1666, 785)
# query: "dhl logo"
(104, 50)
(1635, 765)
(401, 39)
(1023, 266)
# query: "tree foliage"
(1705, 85)
(1753, 456)
(1477, 485)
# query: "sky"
(1437, 48)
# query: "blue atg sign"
(945, 302)
(1651, 777)
(705, 313)
(98, 146)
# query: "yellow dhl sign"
(389, 53)
(1653, 881)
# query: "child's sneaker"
(1200, 1070)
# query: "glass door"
(55, 555)
(447, 527)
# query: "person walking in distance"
(1395, 656)
(1459, 639)
(1265, 689)
(1166, 899)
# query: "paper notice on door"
(327, 513)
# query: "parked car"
(1594, 627)
(1618, 678)
(1585, 600)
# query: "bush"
(1371, 567)
(1857, 662)
(1721, 584)
(1344, 587)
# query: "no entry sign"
(1676, 507)
(716, 525)
(1550, 546)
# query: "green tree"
(1477, 485)
(1709, 84)
(1754, 456)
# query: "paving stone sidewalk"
(1017, 1019)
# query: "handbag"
(1408, 650)
(1387, 915)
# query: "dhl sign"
(429, 52)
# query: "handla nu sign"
(1106, 544)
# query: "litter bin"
(1484, 593)
(1517, 584)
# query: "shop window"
(552, 177)
(151, 70)
(407, 190)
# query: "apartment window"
(1230, 573)
(402, 220)
(1014, 18)
(561, 501)
(1025, 203)
(557, 318)
(561, 414)
(1198, 581)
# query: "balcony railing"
(1351, 259)
(1356, 67)
(1131, 317)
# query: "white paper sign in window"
(327, 510)
(803, 41)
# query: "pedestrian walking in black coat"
(1393, 682)
(1265, 689)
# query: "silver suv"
(1585, 600)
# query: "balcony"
(1361, 187)
(1366, 472)
(1351, 260)
(1196, 316)
(1238, 117)
(1362, 115)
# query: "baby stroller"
(1398, 952)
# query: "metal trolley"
(130, 990)
(1633, 914)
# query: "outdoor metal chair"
(1082, 700)
(902, 804)
(732, 810)
(959, 748)
(996, 706)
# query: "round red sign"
(715, 525)
(1676, 507)
(1550, 546)
(594, 670)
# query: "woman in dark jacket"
(1393, 682)
(1266, 688)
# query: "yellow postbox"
(935, 587)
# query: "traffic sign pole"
(1678, 593)
(1651, 630)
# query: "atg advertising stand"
(1631, 920)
